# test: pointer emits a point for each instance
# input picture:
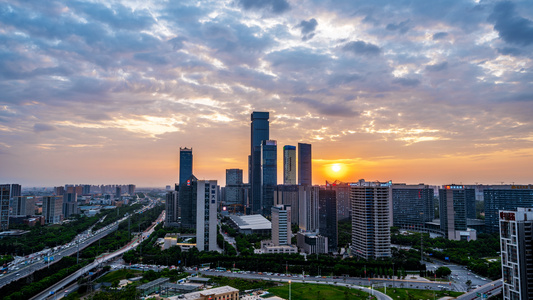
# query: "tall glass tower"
(185, 164)
(304, 164)
(269, 175)
(260, 132)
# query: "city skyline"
(98, 92)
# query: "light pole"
(289, 290)
(392, 274)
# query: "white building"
(281, 225)
(516, 230)
(206, 215)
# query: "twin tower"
(262, 165)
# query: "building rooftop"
(253, 222)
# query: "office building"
(452, 210)
(235, 192)
(516, 231)
(269, 175)
(327, 218)
(259, 133)
(70, 204)
(504, 197)
(187, 201)
(23, 205)
(370, 220)
(311, 242)
(342, 193)
(308, 207)
(52, 209)
(288, 195)
(172, 209)
(185, 164)
(412, 206)
(281, 225)
(305, 174)
(5, 193)
(206, 215)
(289, 164)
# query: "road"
(491, 288)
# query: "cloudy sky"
(412, 91)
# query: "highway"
(489, 289)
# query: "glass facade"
(304, 164)
(259, 133)
(269, 175)
(185, 164)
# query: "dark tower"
(259, 133)
(185, 164)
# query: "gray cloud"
(333, 109)
(400, 27)
(511, 27)
(274, 6)
(308, 28)
(439, 35)
(361, 47)
(41, 127)
(409, 82)
(437, 67)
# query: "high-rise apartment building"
(118, 192)
(289, 164)
(206, 215)
(259, 133)
(52, 209)
(86, 189)
(269, 175)
(327, 218)
(412, 206)
(370, 220)
(516, 242)
(59, 190)
(5, 193)
(131, 189)
(185, 164)
(504, 197)
(308, 207)
(281, 225)
(305, 174)
(70, 204)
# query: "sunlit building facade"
(289, 164)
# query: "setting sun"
(336, 168)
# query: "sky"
(105, 92)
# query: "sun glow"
(336, 168)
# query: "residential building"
(412, 206)
(5, 193)
(370, 220)
(269, 175)
(172, 209)
(342, 192)
(516, 242)
(52, 209)
(305, 174)
(259, 133)
(118, 192)
(281, 225)
(59, 190)
(185, 164)
(131, 189)
(289, 164)
(327, 218)
(504, 197)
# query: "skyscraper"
(70, 204)
(269, 175)
(412, 206)
(259, 133)
(171, 208)
(304, 164)
(281, 225)
(516, 229)
(327, 217)
(234, 191)
(187, 201)
(370, 220)
(289, 164)
(185, 164)
(206, 218)
(342, 193)
(504, 197)
(5, 192)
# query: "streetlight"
(289, 290)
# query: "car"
(66, 291)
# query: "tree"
(443, 272)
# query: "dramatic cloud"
(397, 90)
